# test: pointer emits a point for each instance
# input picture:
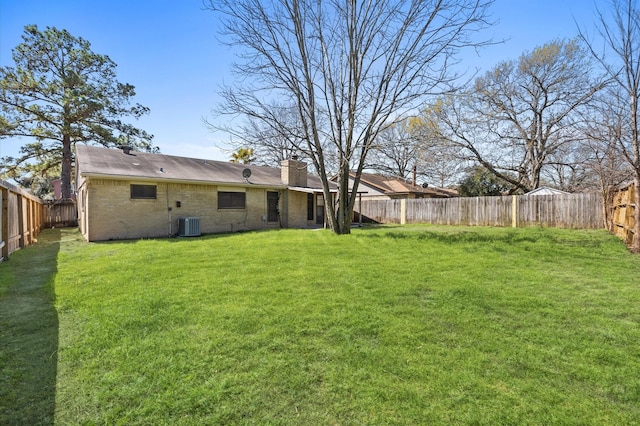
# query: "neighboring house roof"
(395, 186)
(545, 190)
(114, 163)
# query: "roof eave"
(179, 181)
(310, 190)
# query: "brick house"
(123, 194)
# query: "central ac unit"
(189, 226)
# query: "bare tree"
(349, 67)
(439, 161)
(270, 145)
(521, 112)
(568, 168)
(604, 129)
(620, 58)
(395, 151)
(408, 150)
(443, 166)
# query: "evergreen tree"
(61, 93)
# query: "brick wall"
(293, 172)
(106, 210)
(297, 210)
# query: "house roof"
(393, 185)
(102, 162)
(545, 190)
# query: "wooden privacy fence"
(21, 218)
(623, 213)
(561, 211)
(60, 214)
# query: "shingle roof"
(114, 163)
(392, 185)
(545, 190)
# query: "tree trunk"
(343, 220)
(635, 161)
(607, 202)
(65, 174)
(635, 242)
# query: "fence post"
(4, 223)
(20, 203)
(403, 211)
(514, 211)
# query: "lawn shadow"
(462, 236)
(458, 236)
(508, 236)
(207, 236)
(29, 333)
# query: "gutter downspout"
(168, 210)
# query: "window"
(272, 206)
(320, 209)
(309, 206)
(231, 200)
(146, 192)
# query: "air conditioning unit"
(189, 226)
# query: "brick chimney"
(293, 172)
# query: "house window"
(144, 192)
(272, 206)
(309, 206)
(320, 209)
(232, 200)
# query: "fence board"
(21, 218)
(623, 217)
(60, 214)
(562, 211)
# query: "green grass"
(388, 325)
(29, 334)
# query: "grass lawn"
(388, 325)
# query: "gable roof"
(112, 163)
(397, 186)
(387, 184)
(545, 190)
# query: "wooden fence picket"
(623, 217)
(21, 218)
(562, 211)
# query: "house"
(123, 194)
(378, 187)
(56, 184)
(545, 190)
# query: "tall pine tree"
(58, 94)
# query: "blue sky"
(168, 49)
